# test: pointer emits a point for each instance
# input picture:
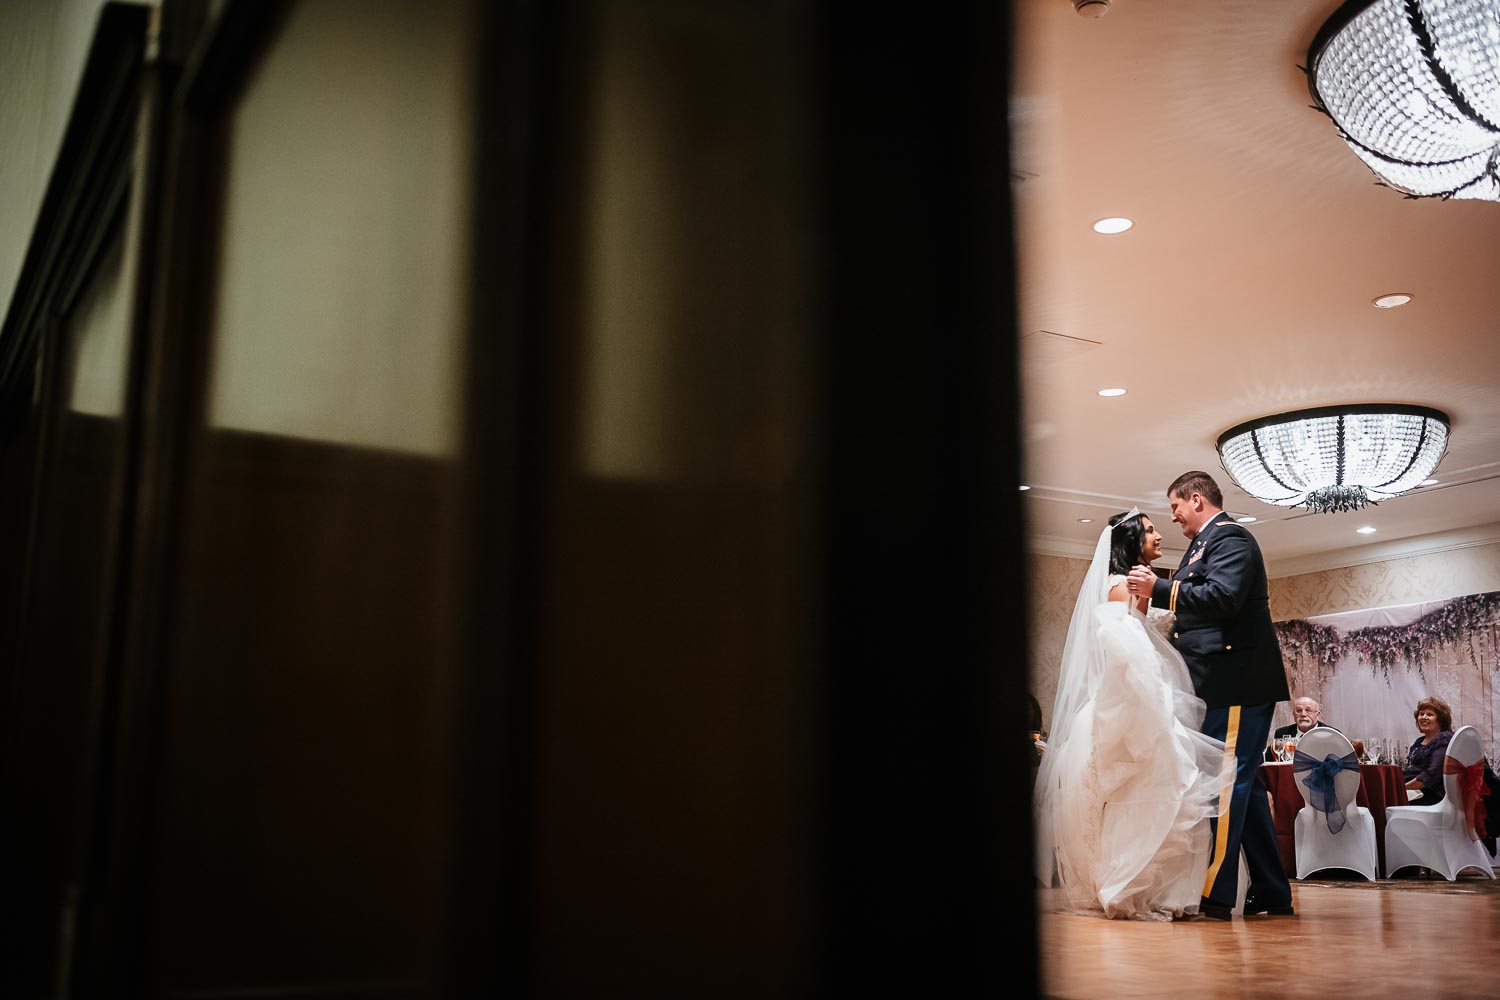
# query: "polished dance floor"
(1423, 937)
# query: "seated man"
(1306, 714)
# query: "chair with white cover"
(1442, 836)
(1331, 830)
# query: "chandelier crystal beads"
(1414, 88)
(1335, 458)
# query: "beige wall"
(1054, 589)
(343, 277)
(43, 47)
(1435, 577)
(693, 296)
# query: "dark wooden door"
(557, 534)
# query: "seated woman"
(1424, 761)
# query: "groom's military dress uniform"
(1223, 630)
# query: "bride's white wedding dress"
(1127, 783)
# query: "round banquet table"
(1380, 786)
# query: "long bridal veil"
(1063, 746)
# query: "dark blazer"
(1223, 628)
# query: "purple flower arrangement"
(1386, 646)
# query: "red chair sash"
(1471, 783)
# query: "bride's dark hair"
(1125, 541)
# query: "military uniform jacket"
(1223, 627)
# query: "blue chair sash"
(1320, 791)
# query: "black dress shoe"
(1275, 910)
(1215, 911)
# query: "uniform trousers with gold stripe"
(1244, 819)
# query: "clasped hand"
(1140, 580)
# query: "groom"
(1223, 631)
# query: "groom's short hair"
(1189, 483)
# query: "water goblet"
(1278, 746)
(1291, 747)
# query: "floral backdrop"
(1369, 668)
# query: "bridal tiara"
(1132, 512)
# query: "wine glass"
(1373, 749)
(1291, 746)
(1359, 750)
(1278, 745)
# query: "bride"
(1128, 783)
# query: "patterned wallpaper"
(1054, 590)
(1435, 577)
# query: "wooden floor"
(1411, 937)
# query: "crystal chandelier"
(1335, 458)
(1414, 88)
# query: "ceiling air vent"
(1043, 347)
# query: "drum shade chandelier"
(1335, 458)
(1414, 88)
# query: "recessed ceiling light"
(1111, 226)
(1111, 392)
(1391, 300)
(1025, 488)
(1428, 482)
(1366, 530)
(1244, 520)
(1085, 520)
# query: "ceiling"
(1244, 287)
